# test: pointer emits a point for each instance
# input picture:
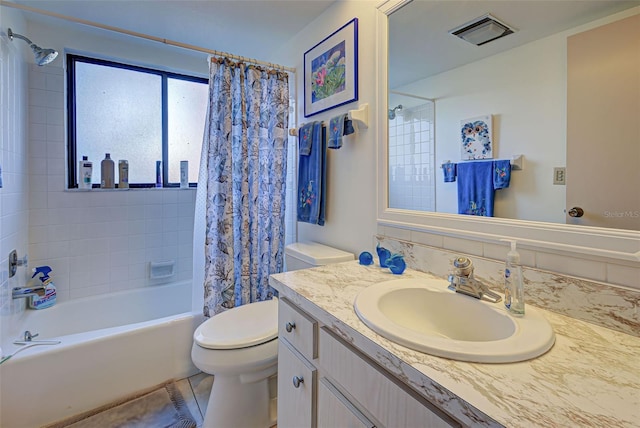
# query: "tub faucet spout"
(24, 292)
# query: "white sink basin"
(422, 314)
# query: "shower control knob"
(290, 327)
(576, 212)
(297, 380)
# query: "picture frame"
(331, 71)
(476, 138)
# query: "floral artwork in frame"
(331, 70)
(477, 142)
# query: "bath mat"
(161, 408)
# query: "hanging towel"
(501, 174)
(312, 178)
(305, 137)
(348, 127)
(336, 131)
(449, 170)
(475, 188)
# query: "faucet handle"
(463, 266)
(14, 262)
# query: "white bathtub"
(112, 346)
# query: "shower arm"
(11, 35)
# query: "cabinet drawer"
(370, 387)
(335, 410)
(296, 389)
(298, 328)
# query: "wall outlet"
(559, 176)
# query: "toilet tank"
(302, 255)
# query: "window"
(137, 114)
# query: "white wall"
(525, 91)
(351, 170)
(13, 161)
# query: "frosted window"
(119, 111)
(137, 114)
(187, 105)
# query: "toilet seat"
(241, 327)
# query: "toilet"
(239, 347)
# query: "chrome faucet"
(462, 281)
(24, 292)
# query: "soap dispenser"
(513, 283)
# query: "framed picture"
(331, 70)
(477, 142)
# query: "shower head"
(392, 112)
(42, 56)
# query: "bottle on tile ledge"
(107, 172)
(85, 168)
(123, 174)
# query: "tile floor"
(195, 391)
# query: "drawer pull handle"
(290, 327)
(297, 380)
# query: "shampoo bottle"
(49, 298)
(513, 285)
(85, 170)
(123, 174)
(107, 172)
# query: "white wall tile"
(463, 245)
(571, 266)
(623, 275)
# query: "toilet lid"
(240, 327)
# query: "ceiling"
(251, 28)
(420, 44)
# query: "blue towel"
(336, 131)
(305, 138)
(312, 178)
(449, 170)
(475, 188)
(348, 127)
(501, 174)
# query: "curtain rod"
(145, 36)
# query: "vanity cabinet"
(325, 382)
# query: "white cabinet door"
(296, 389)
(370, 387)
(335, 410)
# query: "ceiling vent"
(482, 30)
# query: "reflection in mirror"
(521, 80)
(411, 153)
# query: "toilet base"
(233, 404)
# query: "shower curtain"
(243, 167)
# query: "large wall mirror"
(527, 85)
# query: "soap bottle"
(49, 298)
(513, 283)
(107, 172)
(85, 170)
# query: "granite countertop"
(591, 376)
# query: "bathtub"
(111, 346)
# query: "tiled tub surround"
(589, 378)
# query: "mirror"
(436, 81)
(616, 246)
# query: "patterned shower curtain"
(244, 157)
